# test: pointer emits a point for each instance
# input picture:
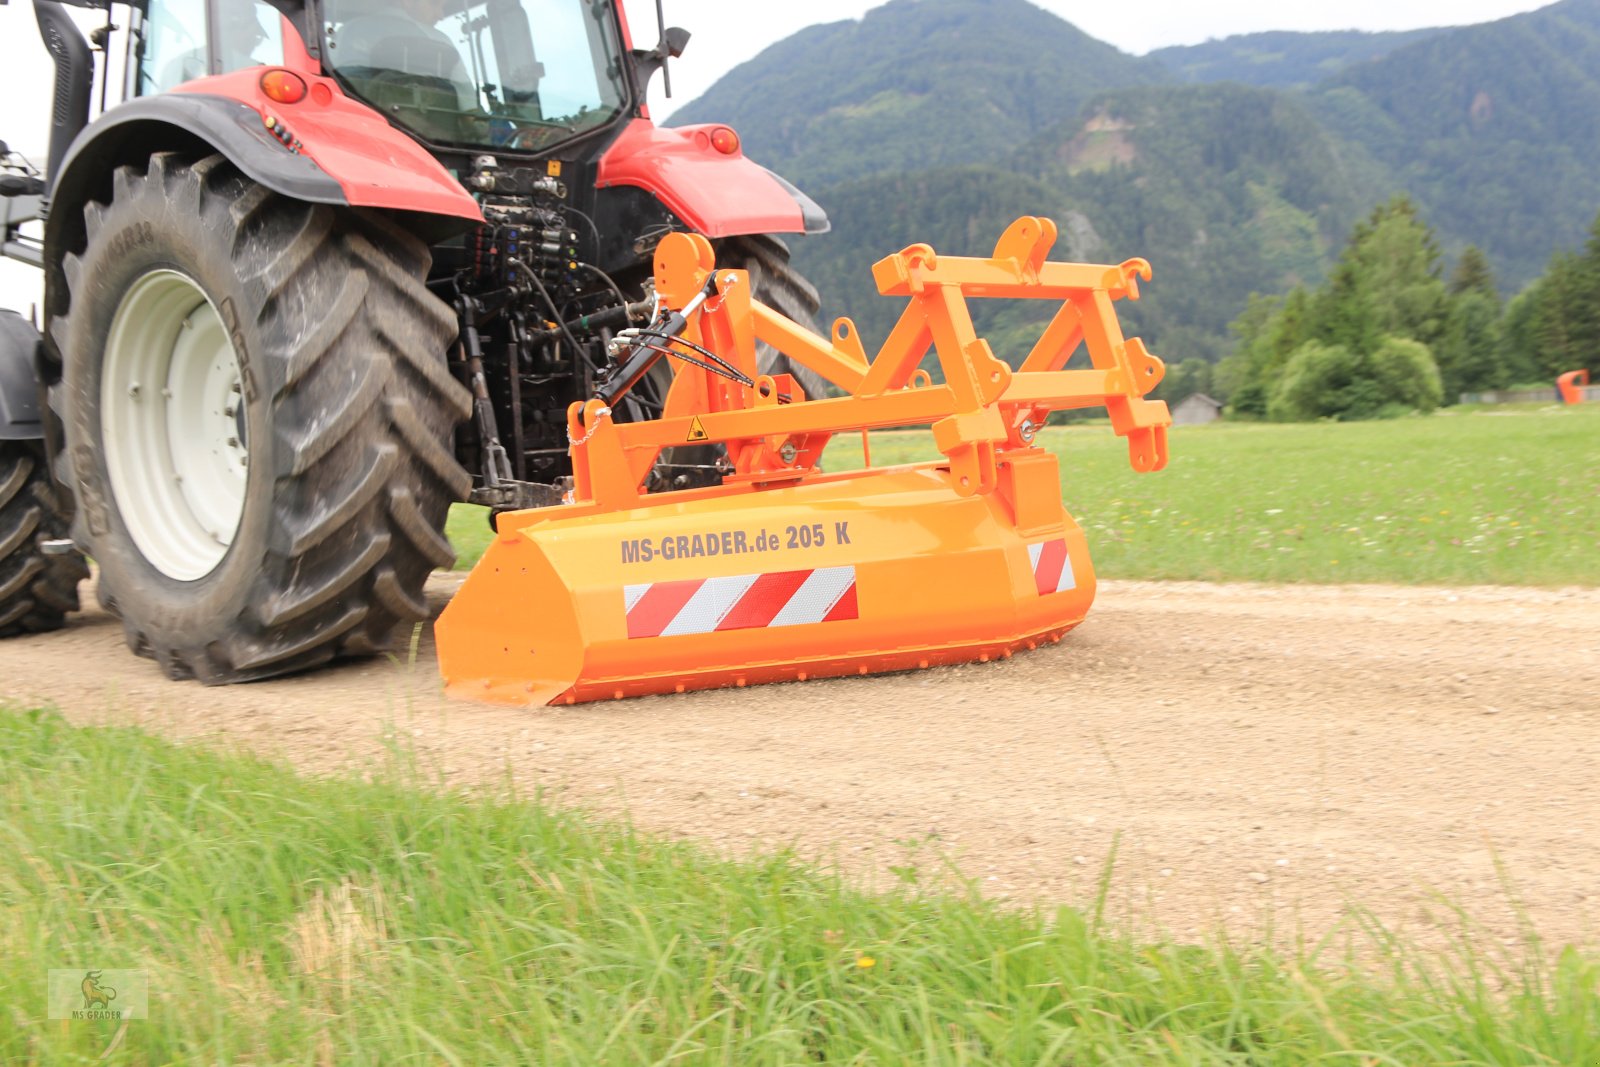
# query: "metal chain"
(594, 424)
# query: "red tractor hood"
(718, 194)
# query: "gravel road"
(1263, 757)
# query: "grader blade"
(786, 571)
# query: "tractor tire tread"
(775, 282)
(36, 591)
(364, 474)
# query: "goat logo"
(95, 994)
(79, 992)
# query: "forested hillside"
(941, 120)
(1494, 129)
(1280, 59)
(913, 84)
(1225, 188)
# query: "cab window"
(174, 46)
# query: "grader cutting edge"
(786, 571)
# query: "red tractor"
(332, 266)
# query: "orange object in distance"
(1571, 386)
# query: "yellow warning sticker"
(697, 432)
(553, 168)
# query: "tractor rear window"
(518, 74)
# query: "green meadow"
(1466, 496)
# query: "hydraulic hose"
(645, 347)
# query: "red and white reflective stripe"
(1052, 567)
(740, 602)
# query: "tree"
(1324, 381)
(1319, 381)
(1585, 306)
(1546, 331)
(1517, 349)
(1406, 375)
(1395, 256)
(1554, 325)
(1386, 283)
(1471, 354)
(1364, 341)
(1269, 330)
(1472, 274)
(1344, 311)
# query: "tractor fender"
(327, 149)
(19, 386)
(175, 121)
(718, 194)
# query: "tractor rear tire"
(775, 282)
(36, 590)
(258, 416)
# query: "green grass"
(1477, 495)
(280, 919)
(469, 532)
(1506, 498)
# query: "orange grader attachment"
(786, 571)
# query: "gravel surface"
(1263, 757)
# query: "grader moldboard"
(336, 264)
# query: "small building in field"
(1196, 409)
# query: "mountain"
(1281, 59)
(957, 210)
(911, 85)
(1230, 189)
(942, 120)
(1495, 129)
(1227, 189)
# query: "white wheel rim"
(173, 425)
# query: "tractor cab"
(470, 74)
(455, 73)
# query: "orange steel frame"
(982, 411)
(545, 615)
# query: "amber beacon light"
(283, 86)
